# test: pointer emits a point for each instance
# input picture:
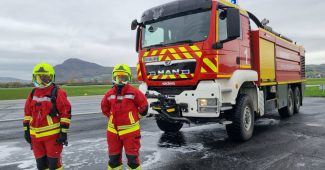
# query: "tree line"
(72, 82)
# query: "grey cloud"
(99, 30)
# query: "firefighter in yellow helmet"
(124, 105)
(47, 118)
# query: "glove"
(62, 139)
(27, 133)
(27, 136)
(143, 111)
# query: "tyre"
(297, 101)
(168, 126)
(289, 109)
(243, 119)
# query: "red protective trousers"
(49, 148)
(131, 145)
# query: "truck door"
(245, 50)
(230, 51)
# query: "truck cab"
(199, 61)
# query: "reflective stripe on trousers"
(125, 129)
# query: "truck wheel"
(243, 119)
(168, 126)
(297, 100)
(289, 109)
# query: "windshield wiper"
(155, 46)
(191, 42)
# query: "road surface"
(291, 144)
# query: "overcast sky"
(32, 31)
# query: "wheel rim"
(247, 119)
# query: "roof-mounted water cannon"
(264, 22)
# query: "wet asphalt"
(292, 144)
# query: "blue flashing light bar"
(234, 1)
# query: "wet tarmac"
(292, 144)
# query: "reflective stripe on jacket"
(37, 109)
(123, 109)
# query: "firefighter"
(124, 105)
(47, 118)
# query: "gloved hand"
(143, 111)
(62, 139)
(27, 133)
(27, 136)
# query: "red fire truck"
(202, 61)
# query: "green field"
(22, 93)
(314, 91)
(315, 81)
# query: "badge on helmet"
(121, 74)
(43, 75)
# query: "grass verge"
(314, 92)
(22, 93)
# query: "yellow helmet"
(43, 75)
(121, 74)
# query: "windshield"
(183, 29)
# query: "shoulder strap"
(32, 93)
(54, 94)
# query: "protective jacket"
(124, 110)
(38, 106)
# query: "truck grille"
(171, 67)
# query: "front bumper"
(204, 90)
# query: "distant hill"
(12, 80)
(76, 70)
(315, 71)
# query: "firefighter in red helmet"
(47, 118)
(124, 105)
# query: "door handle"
(238, 60)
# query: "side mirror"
(134, 24)
(233, 23)
(137, 45)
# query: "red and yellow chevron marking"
(171, 77)
(210, 65)
(139, 71)
(179, 53)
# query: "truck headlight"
(208, 105)
(203, 102)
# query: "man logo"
(168, 63)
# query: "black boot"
(42, 163)
(133, 162)
(53, 163)
(114, 161)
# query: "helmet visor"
(121, 78)
(42, 80)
